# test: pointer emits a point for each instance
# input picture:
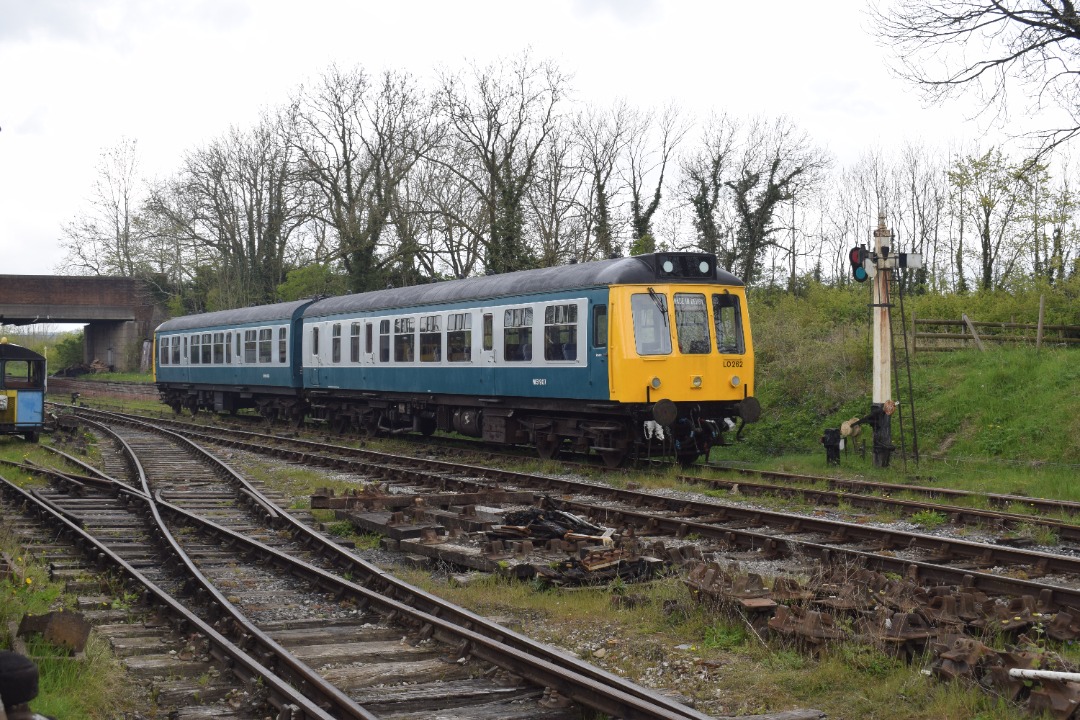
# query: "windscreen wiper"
(660, 304)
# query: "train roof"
(640, 269)
(239, 316)
(11, 351)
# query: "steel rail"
(230, 653)
(602, 683)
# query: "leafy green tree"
(311, 280)
(69, 350)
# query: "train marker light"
(736, 381)
(695, 381)
(655, 383)
(857, 256)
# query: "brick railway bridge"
(118, 312)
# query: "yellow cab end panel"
(711, 376)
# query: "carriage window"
(367, 337)
(651, 333)
(250, 345)
(727, 319)
(430, 338)
(335, 343)
(175, 350)
(459, 337)
(207, 348)
(219, 348)
(354, 343)
(266, 345)
(599, 322)
(489, 331)
(283, 344)
(228, 348)
(404, 339)
(692, 324)
(185, 347)
(23, 374)
(560, 332)
(163, 355)
(384, 341)
(517, 334)
(196, 353)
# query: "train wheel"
(548, 447)
(612, 458)
(427, 426)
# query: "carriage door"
(316, 364)
(598, 364)
(487, 352)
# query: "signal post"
(878, 266)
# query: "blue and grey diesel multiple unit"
(650, 353)
(22, 391)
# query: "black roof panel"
(239, 316)
(632, 270)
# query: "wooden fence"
(967, 333)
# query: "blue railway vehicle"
(232, 359)
(22, 391)
(644, 354)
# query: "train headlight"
(695, 382)
(655, 383)
(736, 381)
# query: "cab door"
(598, 350)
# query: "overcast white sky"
(78, 75)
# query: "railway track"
(275, 607)
(992, 568)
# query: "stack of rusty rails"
(907, 620)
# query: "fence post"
(914, 337)
(971, 329)
(1038, 334)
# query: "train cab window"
(430, 338)
(207, 349)
(22, 374)
(517, 334)
(459, 337)
(692, 324)
(652, 334)
(335, 343)
(727, 319)
(599, 324)
(163, 352)
(228, 348)
(560, 332)
(404, 339)
(219, 348)
(384, 341)
(176, 350)
(283, 345)
(354, 342)
(196, 349)
(250, 346)
(489, 331)
(266, 345)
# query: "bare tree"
(357, 142)
(236, 203)
(602, 137)
(989, 47)
(499, 119)
(552, 209)
(646, 161)
(777, 161)
(704, 187)
(108, 238)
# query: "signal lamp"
(736, 381)
(857, 257)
